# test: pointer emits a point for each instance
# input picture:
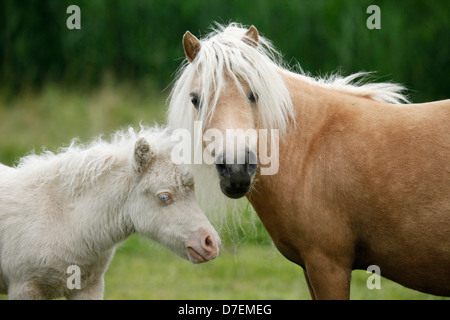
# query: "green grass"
(249, 267)
(141, 269)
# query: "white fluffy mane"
(224, 53)
(78, 166)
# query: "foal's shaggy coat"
(74, 207)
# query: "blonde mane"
(358, 84)
(224, 53)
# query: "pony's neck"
(312, 104)
(311, 101)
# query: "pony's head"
(232, 86)
(162, 203)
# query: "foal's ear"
(142, 155)
(187, 178)
(251, 37)
(191, 46)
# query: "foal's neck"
(99, 217)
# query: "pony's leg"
(328, 279)
(24, 291)
(93, 291)
(311, 291)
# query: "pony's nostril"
(222, 169)
(208, 242)
(209, 247)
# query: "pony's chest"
(283, 222)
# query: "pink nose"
(203, 246)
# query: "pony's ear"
(251, 37)
(191, 46)
(142, 155)
(187, 178)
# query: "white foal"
(73, 208)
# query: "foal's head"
(231, 84)
(162, 204)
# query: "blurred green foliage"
(141, 39)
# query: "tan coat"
(360, 183)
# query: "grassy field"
(143, 270)
(249, 267)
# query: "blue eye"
(164, 197)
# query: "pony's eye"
(165, 197)
(195, 100)
(253, 97)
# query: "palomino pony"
(71, 209)
(361, 180)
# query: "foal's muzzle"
(236, 178)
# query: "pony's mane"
(358, 84)
(78, 165)
(223, 52)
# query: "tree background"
(140, 40)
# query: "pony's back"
(4, 169)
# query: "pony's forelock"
(223, 52)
